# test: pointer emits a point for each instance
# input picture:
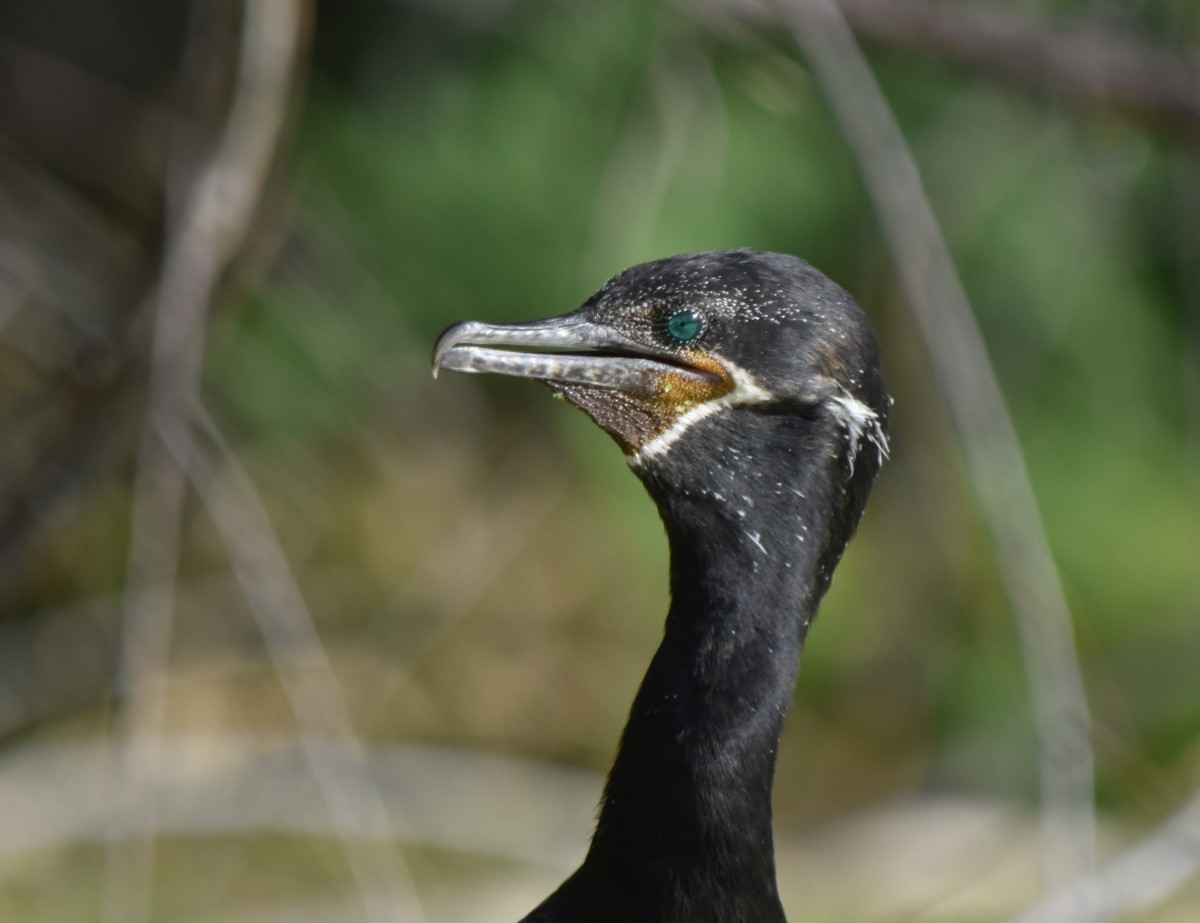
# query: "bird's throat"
(685, 824)
(688, 801)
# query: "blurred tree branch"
(1099, 68)
(1135, 880)
(991, 449)
(334, 754)
(217, 205)
(1093, 66)
(181, 443)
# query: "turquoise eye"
(684, 326)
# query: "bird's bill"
(568, 350)
(635, 392)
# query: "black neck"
(685, 826)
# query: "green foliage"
(483, 568)
(506, 179)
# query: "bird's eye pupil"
(684, 326)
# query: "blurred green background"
(486, 578)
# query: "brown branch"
(1096, 68)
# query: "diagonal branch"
(215, 215)
(319, 708)
(989, 442)
(1097, 68)
(181, 443)
(1134, 881)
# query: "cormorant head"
(668, 349)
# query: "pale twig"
(985, 430)
(1137, 879)
(318, 705)
(213, 220)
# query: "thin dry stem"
(1140, 877)
(318, 705)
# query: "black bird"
(744, 388)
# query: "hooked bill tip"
(451, 337)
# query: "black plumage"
(745, 390)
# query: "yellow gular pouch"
(636, 416)
(678, 394)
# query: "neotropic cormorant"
(744, 388)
